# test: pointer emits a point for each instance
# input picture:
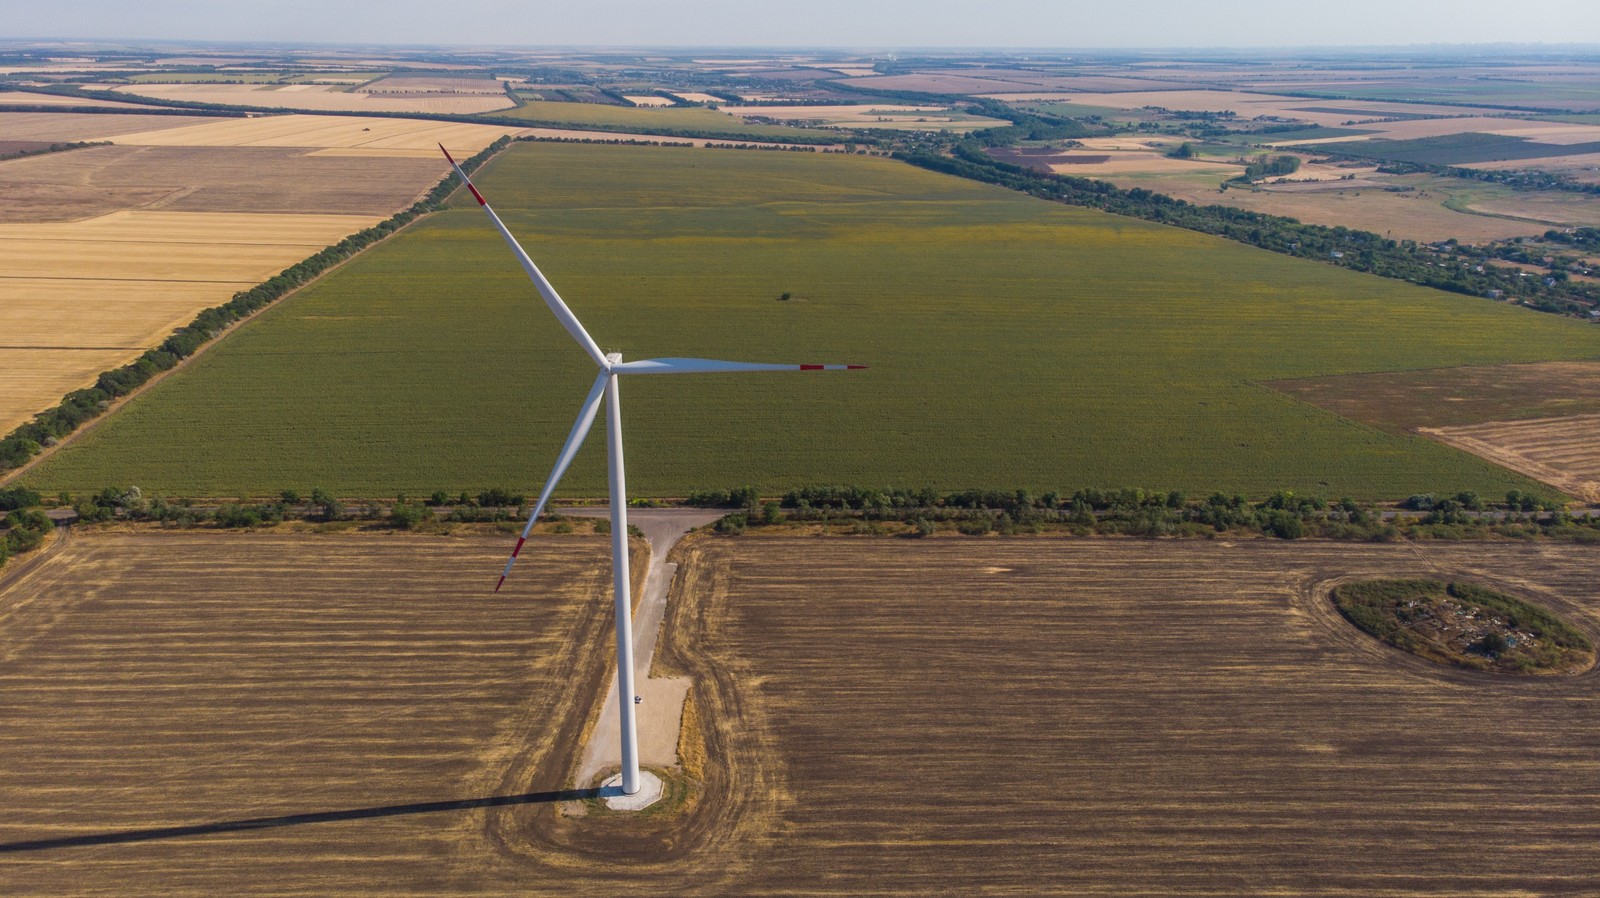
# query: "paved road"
(661, 712)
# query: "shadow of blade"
(228, 826)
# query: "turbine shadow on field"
(228, 826)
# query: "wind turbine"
(605, 386)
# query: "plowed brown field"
(284, 715)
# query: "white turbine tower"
(605, 385)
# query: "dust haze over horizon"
(819, 23)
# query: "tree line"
(1345, 247)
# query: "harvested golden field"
(1563, 452)
(328, 98)
(33, 378)
(264, 714)
(101, 314)
(350, 136)
(52, 127)
(25, 98)
(86, 296)
(84, 183)
(646, 100)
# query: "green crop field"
(648, 119)
(1013, 343)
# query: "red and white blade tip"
(468, 181)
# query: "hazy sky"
(842, 23)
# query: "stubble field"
(160, 692)
(1014, 343)
(1129, 718)
(299, 715)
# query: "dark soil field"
(326, 714)
(82, 183)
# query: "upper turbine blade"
(580, 429)
(551, 298)
(710, 366)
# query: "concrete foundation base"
(649, 792)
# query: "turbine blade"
(551, 297)
(580, 429)
(710, 366)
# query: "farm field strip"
(319, 97)
(676, 252)
(82, 184)
(52, 127)
(26, 98)
(320, 131)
